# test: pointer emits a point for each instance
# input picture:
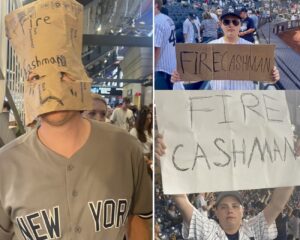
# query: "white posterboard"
(225, 140)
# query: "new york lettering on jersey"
(46, 224)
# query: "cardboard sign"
(196, 62)
(226, 140)
(47, 37)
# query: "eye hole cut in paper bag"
(47, 37)
(198, 62)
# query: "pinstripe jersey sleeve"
(159, 34)
(260, 228)
(165, 39)
(202, 228)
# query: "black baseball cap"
(230, 13)
(243, 10)
(192, 15)
(234, 194)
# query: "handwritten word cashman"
(226, 135)
(251, 106)
(225, 61)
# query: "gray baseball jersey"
(88, 196)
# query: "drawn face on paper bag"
(47, 38)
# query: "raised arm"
(279, 199)
(185, 207)
(182, 201)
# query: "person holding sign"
(230, 24)
(229, 212)
(70, 178)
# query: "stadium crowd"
(209, 21)
(168, 223)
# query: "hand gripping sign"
(47, 38)
(226, 140)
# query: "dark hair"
(6, 105)
(140, 124)
(159, 4)
(206, 15)
(126, 100)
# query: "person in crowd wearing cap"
(191, 30)
(164, 48)
(254, 17)
(70, 178)
(230, 24)
(248, 27)
(229, 213)
(99, 109)
(123, 116)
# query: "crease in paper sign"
(255, 131)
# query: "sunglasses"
(227, 22)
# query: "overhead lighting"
(108, 54)
(99, 28)
(142, 23)
(105, 60)
(120, 58)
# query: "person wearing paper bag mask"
(71, 178)
(229, 212)
(230, 24)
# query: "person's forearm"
(185, 207)
(279, 199)
(251, 30)
(138, 228)
(156, 55)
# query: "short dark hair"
(159, 4)
(126, 100)
(243, 10)
(6, 105)
(192, 15)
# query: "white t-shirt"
(165, 39)
(122, 118)
(188, 29)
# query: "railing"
(286, 25)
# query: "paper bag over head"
(47, 38)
